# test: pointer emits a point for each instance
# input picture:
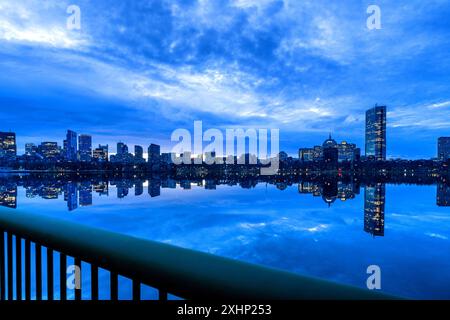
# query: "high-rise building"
(374, 204)
(138, 154)
(346, 151)
(71, 145)
(154, 156)
(444, 148)
(122, 148)
(306, 154)
(376, 133)
(49, 150)
(101, 153)
(85, 147)
(30, 149)
(8, 147)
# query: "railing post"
(162, 295)
(10, 265)
(62, 276)
(49, 274)
(94, 282)
(27, 269)
(2, 264)
(38, 261)
(78, 290)
(114, 284)
(18, 268)
(136, 290)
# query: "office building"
(376, 133)
(138, 154)
(49, 150)
(101, 153)
(8, 147)
(30, 149)
(71, 146)
(154, 156)
(85, 148)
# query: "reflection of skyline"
(80, 193)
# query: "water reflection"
(79, 193)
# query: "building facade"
(71, 146)
(376, 133)
(8, 146)
(85, 147)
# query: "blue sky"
(137, 70)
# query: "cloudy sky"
(137, 70)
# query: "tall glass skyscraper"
(376, 133)
(71, 145)
(85, 147)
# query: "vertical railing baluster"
(27, 269)
(2, 264)
(162, 295)
(78, 290)
(114, 284)
(136, 290)
(10, 266)
(62, 276)
(18, 268)
(49, 274)
(38, 260)
(94, 282)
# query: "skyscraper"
(49, 150)
(376, 133)
(138, 153)
(8, 147)
(122, 148)
(101, 153)
(154, 156)
(85, 147)
(71, 145)
(30, 149)
(444, 148)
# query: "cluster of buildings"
(78, 148)
(375, 146)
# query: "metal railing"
(182, 272)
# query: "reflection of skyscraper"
(101, 188)
(154, 187)
(71, 145)
(8, 196)
(374, 203)
(376, 133)
(139, 188)
(444, 148)
(443, 195)
(122, 190)
(85, 147)
(71, 196)
(85, 194)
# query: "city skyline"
(79, 147)
(128, 78)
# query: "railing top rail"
(183, 272)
